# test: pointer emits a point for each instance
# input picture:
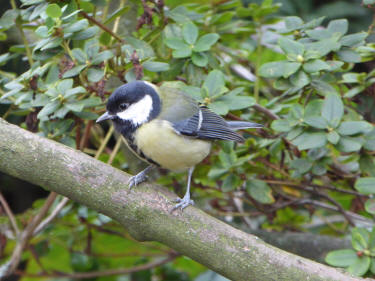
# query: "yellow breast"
(159, 142)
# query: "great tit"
(167, 128)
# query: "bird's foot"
(137, 179)
(183, 203)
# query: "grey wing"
(190, 119)
(207, 125)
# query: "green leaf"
(278, 69)
(205, 42)
(302, 165)
(360, 267)
(199, 59)
(323, 47)
(349, 145)
(219, 107)
(354, 127)
(260, 191)
(53, 11)
(310, 140)
(8, 19)
(300, 79)
(74, 91)
(74, 106)
(42, 31)
(118, 13)
(333, 137)
(341, 258)
(334, 64)
(349, 56)
(293, 23)
(333, 109)
(94, 74)
(102, 56)
(76, 26)
(281, 125)
(238, 102)
(176, 43)
(313, 108)
(64, 85)
(156, 66)
(190, 32)
(53, 43)
(230, 183)
(323, 87)
(216, 173)
(370, 206)
(359, 239)
(74, 71)
(182, 53)
(48, 109)
(315, 66)
(316, 122)
(291, 47)
(79, 55)
(86, 34)
(372, 267)
(352, 40)
(214, 83)
(354, 91)
(365, 185)
(318, 34)
(338, 26)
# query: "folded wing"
(190, 119)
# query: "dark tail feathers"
(239, 125)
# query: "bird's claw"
(182, 203)
(137, 179)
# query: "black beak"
(105, 116)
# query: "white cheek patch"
(138, 112)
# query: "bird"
(167, 128)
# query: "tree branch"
(145, 211)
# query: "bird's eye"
(123, 106)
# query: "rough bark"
(145, 211)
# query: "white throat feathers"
(138, 112)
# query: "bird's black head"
(132, 104)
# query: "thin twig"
(354, 216)
(23, 36)
(102, 26)
(52, 216)
(266, 111)
(104, 142)
(352, 192)
(110, 272)
(339, 207)
(10, 214)
(24, 237)
(114, 151)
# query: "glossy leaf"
(260, 191)
(205, 42)
(365, 185)
(190, 32)
(53, 11)
(333, 109)
(341, 258)
(354, 127)
(291, 47)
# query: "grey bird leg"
(185, 201)
(139, 178)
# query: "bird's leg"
(139, 178)
(185, 201)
